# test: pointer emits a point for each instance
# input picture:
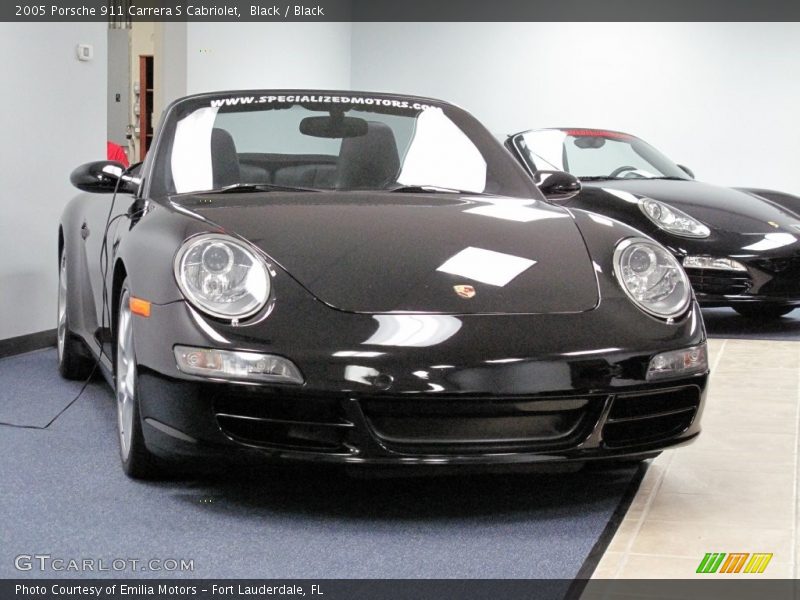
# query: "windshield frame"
(505, 170)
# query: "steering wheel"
(616, 172)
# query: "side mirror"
(687, 170)
(104, 177)
(557, 185)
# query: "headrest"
(224, 160)
(370, 160)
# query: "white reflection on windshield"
(191, 155)
(441, 154)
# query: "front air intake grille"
(785, 280)
(283, 420)
(719, 283)
(481, 424)
(648, 417)
(778, 264)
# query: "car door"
(102, 215)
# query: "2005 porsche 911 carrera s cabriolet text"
(366, 279)
(739, 246)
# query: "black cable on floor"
(61, 412)
(105, 312)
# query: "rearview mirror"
(104, 177)
(687, 170)
(333, 127)
(557, 185)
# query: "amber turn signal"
(140, 307)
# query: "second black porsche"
(739, 246)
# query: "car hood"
(721, 208)
(386, 252)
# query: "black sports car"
(366, 279)
(739, 246)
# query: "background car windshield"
(590, 153)
(362, 144)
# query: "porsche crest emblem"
(464, 291)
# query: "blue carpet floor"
(31, 390)
(63, 494)
(726, 323)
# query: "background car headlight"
(652, 277)
(673, 220)
(221, 276)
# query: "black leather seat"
(370, 160)
(224, 160)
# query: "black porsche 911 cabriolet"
(739, 246)
(369, 279)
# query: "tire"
(137, 461)
(73, 362)
(759, 310)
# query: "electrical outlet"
(85, 52)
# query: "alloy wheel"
(61, 332)
(125, 376)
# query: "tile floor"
(733, 490)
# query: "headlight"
(222, 276)
(652, 277)
(673, 220)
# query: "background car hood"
(720, 208)
(382, 252)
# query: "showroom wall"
(53, 118)
(241, 55)
(170, 64)
(719, 97)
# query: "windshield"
(596, 154)
(321, 141)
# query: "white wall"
(169, 65)
(52, 118)
(225, 56)
(721, 98)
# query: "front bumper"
(769, 278)
(476, 398)
(195, 420)
(728, 288)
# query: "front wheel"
(137, 461)
(758, 310)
